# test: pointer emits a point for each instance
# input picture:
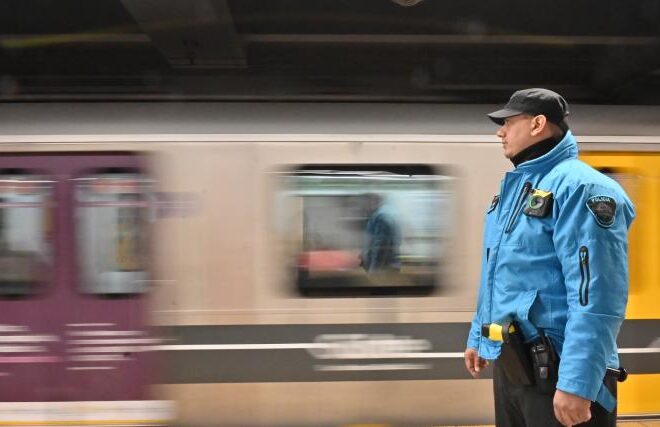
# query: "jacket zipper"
(518, 206)
(585, 275)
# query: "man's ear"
(537, 124)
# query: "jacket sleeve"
(475, 328)
(475, 332)
(483, 297)
(592, 250)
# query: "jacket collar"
(566, 149)
(535, 150)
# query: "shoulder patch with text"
(603, 208)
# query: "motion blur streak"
(286, 268)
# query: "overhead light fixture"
(407, 3)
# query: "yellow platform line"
(622, 423)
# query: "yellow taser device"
(493, 331)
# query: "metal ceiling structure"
(342, 50)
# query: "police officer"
(555, 263)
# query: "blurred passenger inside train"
(382, 237)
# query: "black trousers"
(524, 406)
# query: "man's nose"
(500, 132)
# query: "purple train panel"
(74, 269)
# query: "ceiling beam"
(441, 39)
(26, 41)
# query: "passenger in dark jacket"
(382, 237)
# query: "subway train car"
(208, 264)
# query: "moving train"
(202, 264)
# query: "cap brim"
(499, 115)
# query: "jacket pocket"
(585, 275)
(524, 304)
(523, 309)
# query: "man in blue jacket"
(555, 263)
(382, 237)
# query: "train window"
(364, 230)
(112, 217)
(26, 226)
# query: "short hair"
(555, 129)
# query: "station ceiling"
(469, 51)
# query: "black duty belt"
(534, 362)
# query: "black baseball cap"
(534, 101)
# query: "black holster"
(529, 364)
(545, 364)
(515, 359)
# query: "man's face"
(516, 134)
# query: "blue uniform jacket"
(565, 273)
(382, 241)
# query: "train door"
(638, 173)
(74, 245)
(29, 336)
(105, 329)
